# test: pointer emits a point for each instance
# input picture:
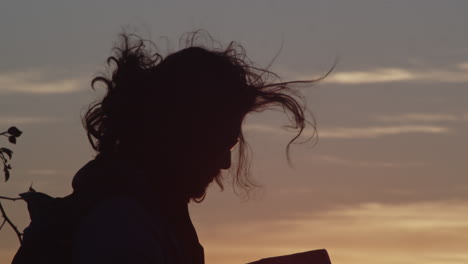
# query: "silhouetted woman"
(163, 132)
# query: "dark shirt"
(131, 224)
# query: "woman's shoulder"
(122, 208)
(117, 230)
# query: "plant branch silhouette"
(10, 199)
(5, 156)
(6, 219)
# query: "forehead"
(220, 129)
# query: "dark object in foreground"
(48, 238)
(319, 256)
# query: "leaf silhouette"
(12, 139)
(7, 174)
(7, 151)
(31, 189)
(14, 131)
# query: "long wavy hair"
(144, 79)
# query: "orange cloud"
(423, 117)
(21, 120)
(457, 74)
(34, 82)
(356, 132)
(335, 160)
(453, 74)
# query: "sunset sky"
(387, 181)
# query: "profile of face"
(197, 155)
(210, 155)
(204, 123)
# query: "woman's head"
(180, 116)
